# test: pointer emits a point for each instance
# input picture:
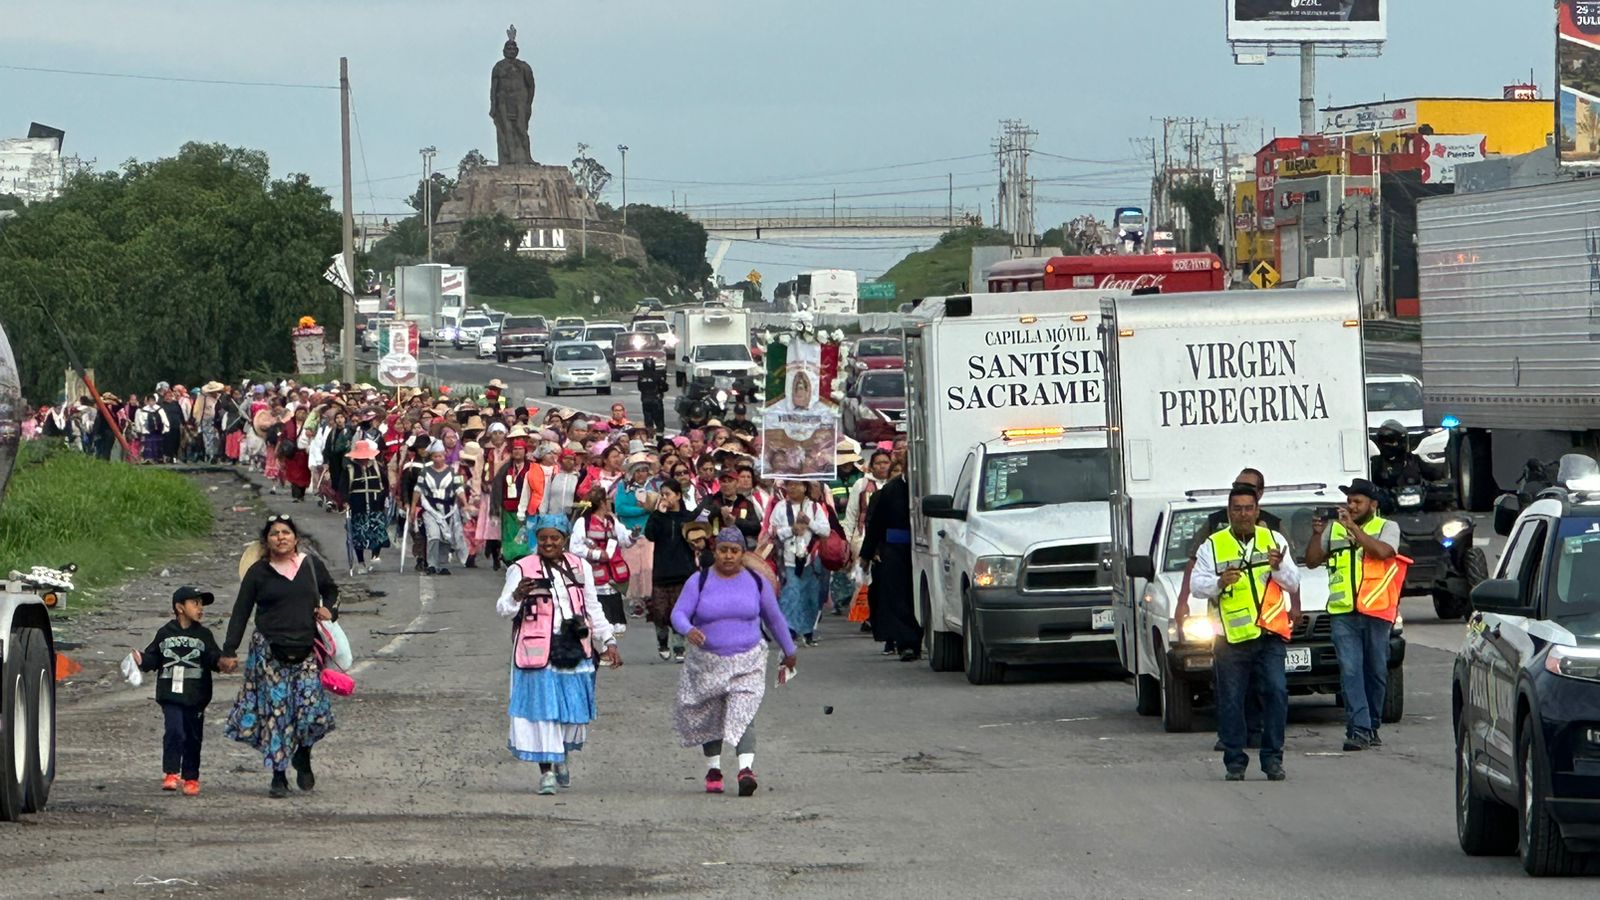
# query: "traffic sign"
(876, 290)
(754, 277)
(1264, 276)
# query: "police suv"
(1525, 694)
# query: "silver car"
(576, 365)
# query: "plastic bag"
(336, 646)
(130, 671)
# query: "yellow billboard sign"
(1310, 165)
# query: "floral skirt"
(281, 708)
(369, 530)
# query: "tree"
(1199, 199)
(590, 175)
(672, 239)
(182, 269)
(10, 201)
(473, 160)
(442, 188)
(487, 247)
(405, 245)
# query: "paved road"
(526, 378)
(916, 784)
(1396, 357)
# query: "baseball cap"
(206, 598)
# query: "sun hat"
(364, 449)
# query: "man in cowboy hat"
(494, 391)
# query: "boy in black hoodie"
(186, 653)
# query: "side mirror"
(1500, 595)
(941, 506)
(1141, 567)
(1506, 510)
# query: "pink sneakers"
(714, 781)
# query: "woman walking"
(552, 685)
(675, 561)
(440, 496)
(600, 537)
(721, 613)
(633, 498)
(282, 709)
(794, 526)
(367, 517)
(510, 498)
(294, 463)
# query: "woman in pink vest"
(558, 624)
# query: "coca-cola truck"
(1172, 273)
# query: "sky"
(753, 102)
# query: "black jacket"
(285, 611)
(652, 386)
(674, 559)
(194, 650)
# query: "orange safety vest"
(1377, 593)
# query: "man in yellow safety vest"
(1248, 573)
(1365, 575)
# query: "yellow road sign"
(1264, 276)
(754, 277)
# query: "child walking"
(186, 653)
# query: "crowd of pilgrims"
(596, 520)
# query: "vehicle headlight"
(1199, 628)
(996, 571)
(1574, 662)
(1450, 529)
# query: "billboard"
(1370, 117)
(1441, 153)
(1578, 68)
(1290, 21)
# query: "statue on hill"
(511, 104)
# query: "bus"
(1170, 273)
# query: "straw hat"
(472, 452)
(689, 528)
(441, 408)
(213, 387)
(474, 423)
(497, 383)
(638, 459)
(109, 398)
(518, 431)
(847, 451)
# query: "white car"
(1399, 398)
(488, 343)
(578, 365)
(470, 329)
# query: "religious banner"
(397, 353)
(800, 421)
(310, 347)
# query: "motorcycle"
(1463, 567)
(712, 397)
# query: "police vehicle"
(1525, 693)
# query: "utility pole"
(623, 149)
(950, 204)
(427, 193)
(347, 334)
(583, 209)
(1230, 258)
(1308, 88)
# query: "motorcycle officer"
(1395, 466)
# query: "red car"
(871, 353)
(875, 406)
(631, 348)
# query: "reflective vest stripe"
(1255, 602)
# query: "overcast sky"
(725, 101)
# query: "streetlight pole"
(623, 149)
(583, 207)
(427, 193)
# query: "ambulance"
(1200, 386)
(1009, 474)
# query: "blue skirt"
(550, 711)
(801, 597)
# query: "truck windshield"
(1188, 528)
(879, 347)
(513, 322)
(1575, 585)
(1022, 480)
(722, 353)
(878, 385)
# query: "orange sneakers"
(170, 782)
(191, 788)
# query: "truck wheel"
(14, 738)
(1177, 700)
(1543, 850)
(1484, 827)
(980, 668)
(1475, 473)
(1394, 698)
(40, 682)
(1146, 695)
(943, 647)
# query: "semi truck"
(1200, 386)
(1510, 298)
(1008, 473)
(27, 646)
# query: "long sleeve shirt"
(730, 611)
(185, 658)
(1205, 582)
(285, 609)
(795, 540)
(855, 507)
(598, 551)
(599, 627)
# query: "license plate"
(1102, 620)
(1298, 659)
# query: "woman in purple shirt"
(721, 612)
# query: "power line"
(362, 147)
(176, 78)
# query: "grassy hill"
(620, 285)
(941, 269)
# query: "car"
(579, 365)
(566, 333)
(605, 334)
(570, 322)
(632, 348)
(1525, 687)
(1398, 397)
(651, 303)
(521, 336)
(488, 343)
(877, 353)
(875, 406)
(659, 327)
(470, 329)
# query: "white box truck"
(1200, 386)
(715, 343)
(827, 291)
(1510, 291)
(1009, 475)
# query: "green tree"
(182, 269)
(487, 247)
(441, 187)
(10, 201)
(1198, 197)
(406, 245)
(672, 239)
(473, 160)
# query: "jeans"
(1362, 643)
(180, 747)
(1254, 666)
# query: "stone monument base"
(544, 201)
